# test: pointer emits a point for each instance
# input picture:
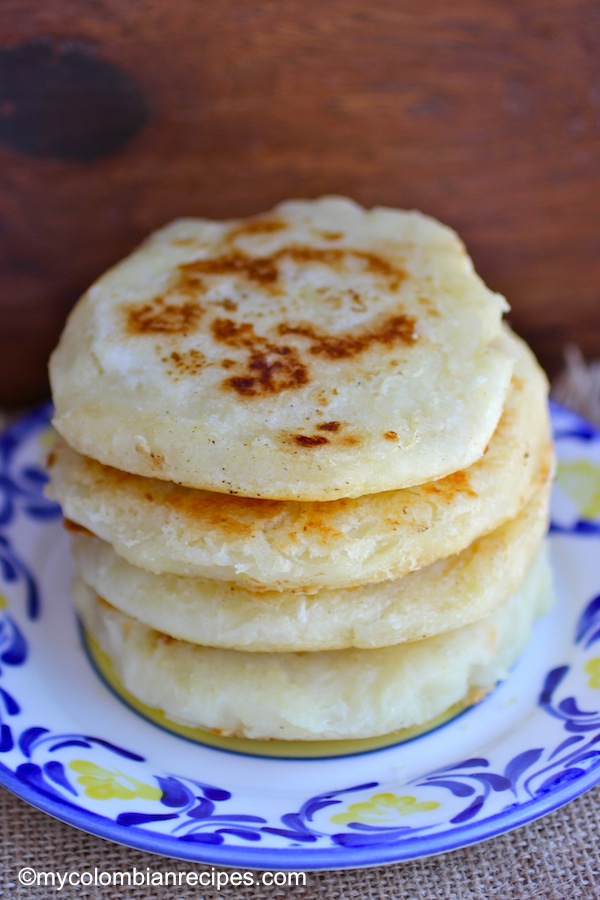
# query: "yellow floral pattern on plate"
(383, 809)
(580, 479)
(105, 784)
(592, 667)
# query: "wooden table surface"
(117, 117)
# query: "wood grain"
(484, 114)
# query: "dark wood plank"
(124, 116)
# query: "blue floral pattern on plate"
(69, 746)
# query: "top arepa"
(314, 352)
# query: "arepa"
(448, 594)
(335, 695)
(315, 352)
(287, 545)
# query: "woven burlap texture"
(555, 858)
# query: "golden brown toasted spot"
(186, 242)
(319, 529)
(394, 329)
(260, 225)
(76, 528)
(331, 235)
(227, 304)
(189, 285)
(226, 331)
(198, 506)
(451, 486)
(358, 304)
(390, 435)
(268, 368)
(269, 376)
(262, 270)
(235, 517)
(310, 440)
(335, 436)
(190, 362)
(51, 459)
(148, 496)
(227, 363)
(159, 317)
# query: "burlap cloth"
(557, 857)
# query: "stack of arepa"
(309, 471)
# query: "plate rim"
(269, 858)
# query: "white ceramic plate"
(69, 746)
